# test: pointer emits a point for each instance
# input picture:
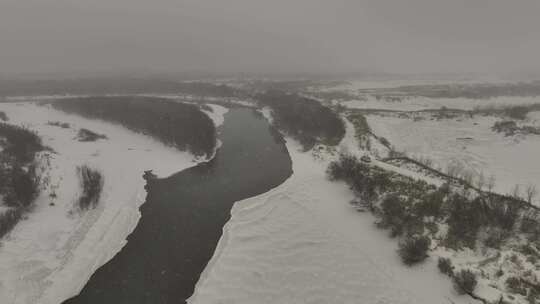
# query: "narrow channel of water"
(183, 217)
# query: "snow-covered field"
(467, 141)
(422, 103)
(303, 243)
(49, 256)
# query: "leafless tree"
(516, 192)
(530, 193)
(491, 183)
(453, 170)
(480, 181)
(468, 177)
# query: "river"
(183, 216)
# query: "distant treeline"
(293, 86)
(306, 120)
(104, 86)
(180, 125)
(474, 91)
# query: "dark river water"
(183, 217)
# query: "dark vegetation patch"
(86, 135)
(519, 112)
(183, 126)
(20, 142)
(19, 180)
(445, 266)
(3, 116)
(106, 86)
(465, 281)
(304, 119)
(511, 128)
(91, 182)
(63, 125)
(363, 132)
(9, 219)
(414, 249)
(409, 207)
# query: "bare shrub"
(480, 181)
(344, 168)
(516, 192)
(21, 186)
(393, 215)
(414, 249)
(464, 222)
(92, 184)
(530, 193)
(516, 112)
(3, 116)
(491, 183)
(495, 237)
(445, 266)
(87, 135)
(515, 285)
(63, 125)
(465, 282)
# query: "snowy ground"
(49, 256)
(302, 243)
(469, 142)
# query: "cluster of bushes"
(362, 130)
(518, 112)
(19, 179)
(21, 143)
(411, 208)
(304, 119)
(19, 185)
(63, 125)
(510, 128)
(183, 126)
(92, 185)
(3, 116)
(86, 135)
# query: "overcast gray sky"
(270, 36)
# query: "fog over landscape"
(61, 37)
(269, 152)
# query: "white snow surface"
(217, 114)
(303, 243)
(469, 142)
(49, 256)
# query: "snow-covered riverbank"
(303, 243)
(49, 256)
